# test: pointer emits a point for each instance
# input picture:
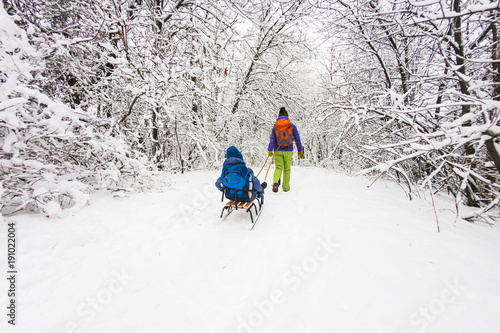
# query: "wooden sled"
(255, 205)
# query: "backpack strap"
(250, 185)
(236, 199)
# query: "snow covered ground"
(329, 256)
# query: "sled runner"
(254, 206)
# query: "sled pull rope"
(269, 167)
(263, 166)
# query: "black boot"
(276, 186)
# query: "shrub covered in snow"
(52, 156)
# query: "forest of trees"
(102, 94)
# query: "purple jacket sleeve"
(296, 136)
(272, 141)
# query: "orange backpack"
(283, 131)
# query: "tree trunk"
(495, 56)
(156, 149)
(460, 53)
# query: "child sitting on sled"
(238, 182)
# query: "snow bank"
(331, 255)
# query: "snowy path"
(329, 256)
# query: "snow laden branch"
(454, 155)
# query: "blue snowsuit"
(234, 157)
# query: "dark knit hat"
(233, 152)
(283, 112)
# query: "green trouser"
(283, 163)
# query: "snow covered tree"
(52, 155)
(267, 72)
(424, 108)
